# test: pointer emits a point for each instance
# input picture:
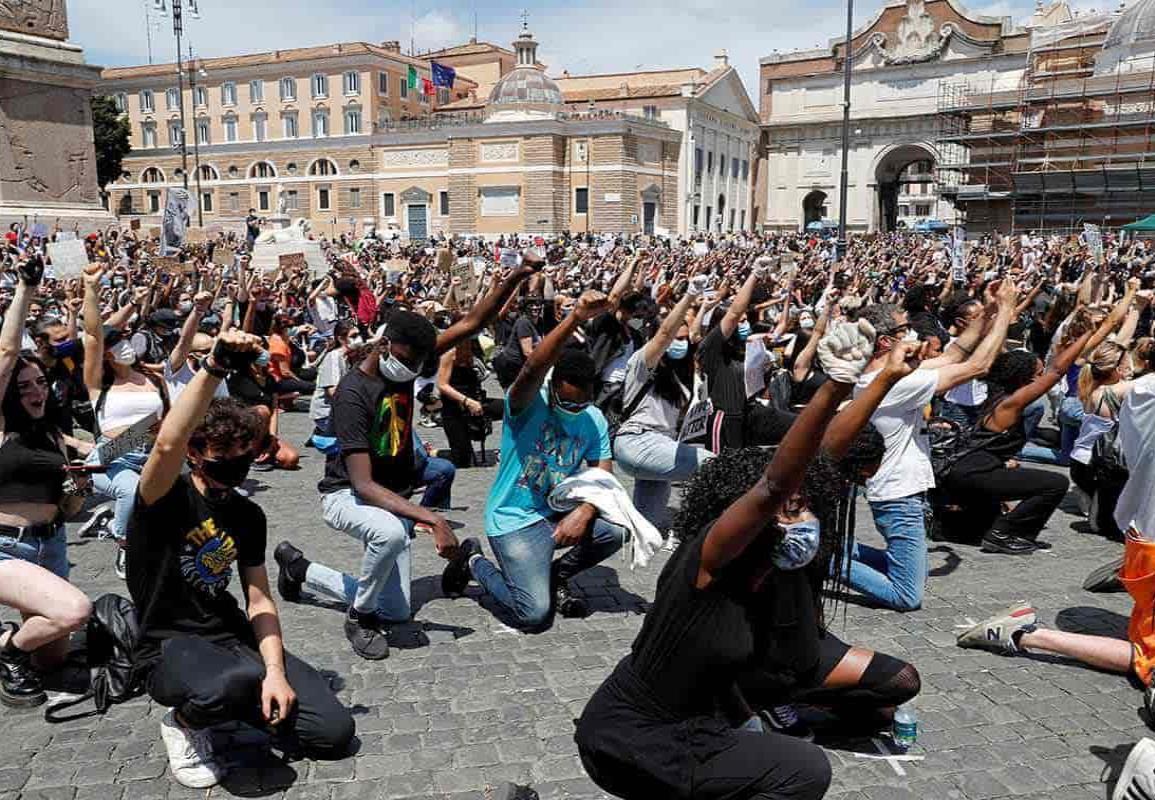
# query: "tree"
(110, 133)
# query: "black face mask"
(229, 472)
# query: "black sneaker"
(20, 685)
(785, 720)
(456, 575)
(1105, 578)
(368, 635)
(996, 542)
(287, 586)
(566, 604)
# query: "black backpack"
(111, 639)
(1108, 465)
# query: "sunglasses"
(568, 405)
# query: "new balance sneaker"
(120, 566)
(785, 720)
(290, 574)
(190, 754)
(20, 685)
(368, 635)
(998, 634)
(456, 575)
(99, 523)
(1137, 780)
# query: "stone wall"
(546, 191)
(463, 202)
(612, 214)
(47, 18)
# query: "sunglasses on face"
(568, 405)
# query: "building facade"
(899, 62)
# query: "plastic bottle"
(905, 732)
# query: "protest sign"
(292, 262)
(133, 439)
(66, 236)
(700, 249)
(224, 255)
(1094, 240)
(696, 422)
(958, 256)
(68, 258)
(196, 236)
(169, 264)
(463, 269)
(510, 258)
(444, 259)
(134, 224)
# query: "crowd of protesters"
(770, 377)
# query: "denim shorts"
(50, 553)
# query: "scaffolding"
(1054, 147)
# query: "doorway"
(417, 215)
(649, 213)
(813, 208)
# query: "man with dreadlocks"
(740, 600)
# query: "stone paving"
(465, 702)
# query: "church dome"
(525, 91)
(1132, 36)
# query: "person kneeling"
(198, 653)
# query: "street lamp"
(844, 178)
(177, 30)
(193, 72)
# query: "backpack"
(111, 639)
(1107, 463)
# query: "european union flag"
(443, 75)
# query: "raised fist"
(846, 349)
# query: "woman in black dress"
(738, 606)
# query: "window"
(709, 214)
(208, 173)
(148, 135)
(650, 112)
(745, 170)
(320, 124)
(174, 133)
(721, 165)
(203, 129)
(922, 210)
(201, 97)
(146, 103)
(320, 85)
(388, 206)
(228, 94)
(256, 91)
(234, 201)
(288, 89)
(154, 202)
(323, 199)
(354, 165)
(733, 213)
(355, 197)
(292, 200)
(743, 216)
(422, 97)
(382, 83)
(234, 172)
(260, 127)
(710, 163)
(206, 201)
(289, 126)
(442, 96)
(152, 175)
(291, 168)
(698, 163)
(121, 101)
(352, 121)
(697, 211)
(262, 169)
(904, 211)
(581, 200)
(404, 89)
(172, 99)
(443, 203)
(735, 168)
(500, 201)
(230, 129)
(323, 166)
(263, 200)
(351, 83)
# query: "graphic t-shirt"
(375, 416)
(181, 552)
(539, 450)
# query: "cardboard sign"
(1094, 240)
(464, 270)
(134, 224)
(292, 262)
(224, 255)
(696, 422)
(196, 236)
(170, 264)
(69, 259)
(154, 232)
(133, 439)
(444, 259)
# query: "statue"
(282, 203)
(297, 232)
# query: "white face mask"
(122, 353)
(911, 337)
(393, 370)
(806, 324)
(354, 341)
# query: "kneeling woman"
(740, 596)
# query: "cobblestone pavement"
(465, 701)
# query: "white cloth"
(324, 314)
(603, 491)
(177, 381)
(1091, 429)
(1136, 506)
(125, 408)
(970, 394)
(334, 366)
(906, 468)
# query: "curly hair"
(226, 424)
(1010, 372)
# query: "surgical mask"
(184, 307)
(393, 370)
(262, 359)
(911, 337)
(118, 282)
(354, 341)
(564, 408)
(806, 324)
(799, 546)
(64, 349)
(636, 324)
(122, 353)
(229, 472)
(743, 331)
(677, 349)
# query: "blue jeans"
(963, 416)
(655, 461)
(50, 553)
(119, 483)
(1070, 421)
(894, 577)
(521, 582)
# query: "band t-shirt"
(181, 552)
(375, 416)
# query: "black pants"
(1038, 491)
(293, 386)
(1106, 495)
(456, 425)
(210, 683)
(764, 766)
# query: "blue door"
(418, 225)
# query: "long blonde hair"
(1101, 364)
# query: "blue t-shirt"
(539, 450)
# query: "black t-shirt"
(725, 375)
(244, 387)
(375, 416)
(523, 328)
(181, 552)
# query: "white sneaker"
(120, 566)
(190, 754)
(1137, 781)
(98, 523)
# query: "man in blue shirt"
(550, 433)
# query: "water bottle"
(905, 732)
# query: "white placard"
(700, 249)
(958, 256)
(68, 258)
(613, 197)
(696, 422)
(66, 236)
(510, 258)
(1094, 240)
(135, 438)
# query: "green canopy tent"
(1147, 224)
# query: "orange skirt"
(1138, 575)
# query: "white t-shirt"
(653, 413)
(615, 370)
(971, 393)
(906, 468)
(332, 369)
(1136, 506)
(177, 381)
(324, 314)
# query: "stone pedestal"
(47, 161)
(278, 222)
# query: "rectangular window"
(256, 91)
(320, 124)
(320, 85)
(922, 210)
(351, 83)
(698, 162)
(288, 89)
(202, 131)
(743, 216)
(289, 126)
(172, 99)
(404, 88)
(745, 170)
(260, 127)
(206, 201)
(146, 102)
(263, 200)
(148, 135)
(121, 100)
(650, 112)
(228, 94)
(234, 201)
(383, 83)
(442, 96)
(443, 203)
(710, 162)
(201, 96)
(709, 214)
(388, 205)
(153, 202)
(721, 165)
(581, 200)
(174, 134)
(735, 168)
(230, 129)
(697, 211)
(354, 197)
(292, 201)
(352, 122)
(322, 199)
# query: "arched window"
(354, 165)
(152, 175)
(322, 166)
(209, 173)
(291, 168)
(262, 169)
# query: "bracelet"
(220, 373)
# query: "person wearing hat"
(156, 339)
